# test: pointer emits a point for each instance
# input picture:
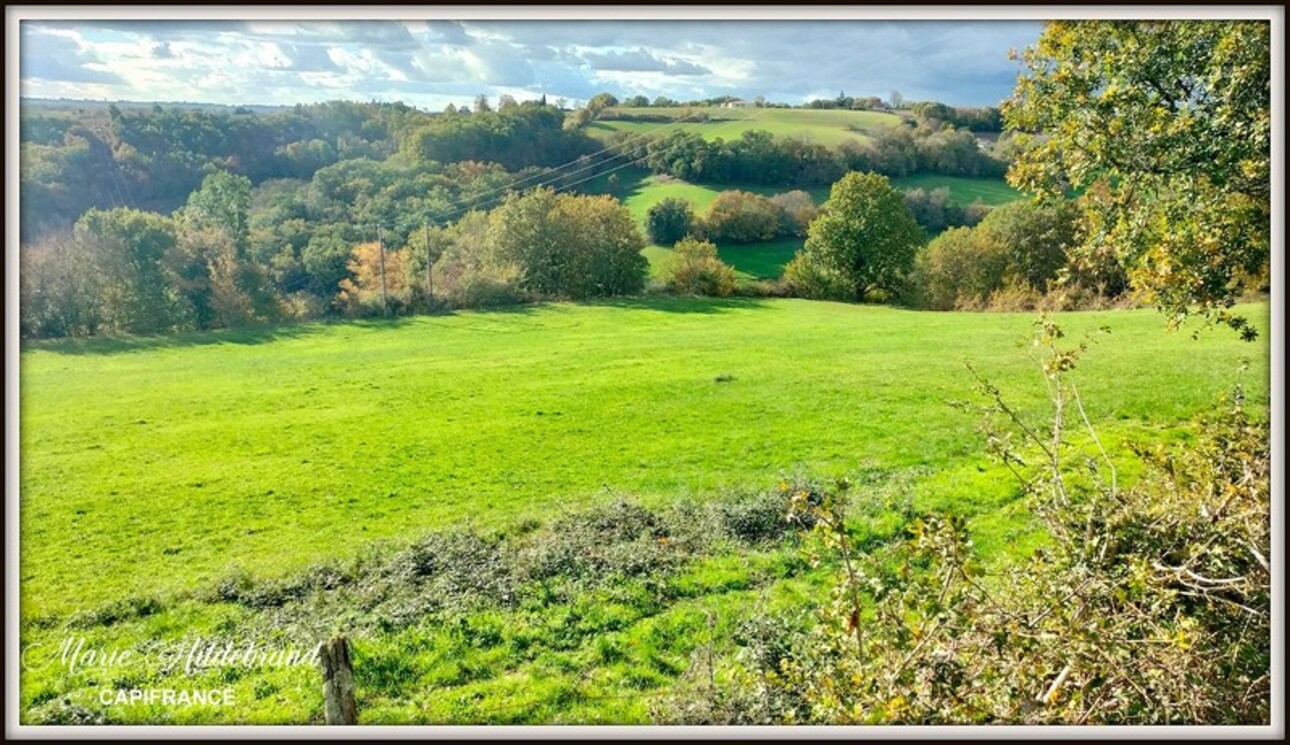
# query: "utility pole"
(429, 279)
(380, 247)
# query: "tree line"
(757, 157)
(152, 159)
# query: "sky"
(430, 64)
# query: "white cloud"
(423, 62)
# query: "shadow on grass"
(678, 304)
(630, 183)
(760, 260)
(109, 345)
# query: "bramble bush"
(1149, 604)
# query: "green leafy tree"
(130, 245)
(222, 203)
(569, 245)
(1167, 125)
(326, 259)
(1033, 237)
(600, 102)
(670, 220)
(866, 234)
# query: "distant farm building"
(739, 103)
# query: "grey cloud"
(641, 60)
(954, 61)
(388, 35)
(450, 32)
(163, 51)
(57, 58)
(308, 57)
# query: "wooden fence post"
(338, 682)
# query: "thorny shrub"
(1150, 604)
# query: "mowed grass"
(826, 127)
(963, 189)
(154, 466)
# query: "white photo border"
(15, 14)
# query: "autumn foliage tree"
(1167, 127)
(361, 292)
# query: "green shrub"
(960, 269)
(796, 211)
(669, 221)
(806, 278)
(486, 287)
(469, 272)
(694, 269)
(761, 518)
(741, 217)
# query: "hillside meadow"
(179, 486)
(304, 441)
(639, 190)
(826, 126)
(182, 485)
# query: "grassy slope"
(152, 466)
(963, 190)
(822, 126)
(639, 191)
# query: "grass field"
(963, 190)
(155, 469)
(200, 446)
(827, 127)
(640, 190)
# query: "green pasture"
(827, 127)
(206, 486)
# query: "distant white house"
(739, 103)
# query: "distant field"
(963, 189)
(751, 261)
(827, 127)
(639, 191)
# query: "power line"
(456, 211)
(404, 227)
(547, 175)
